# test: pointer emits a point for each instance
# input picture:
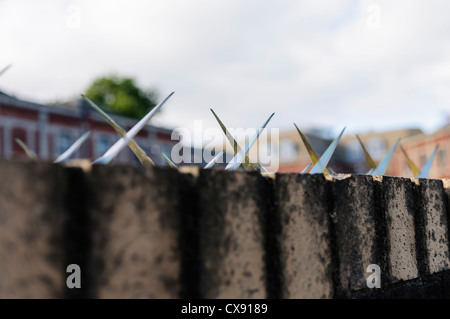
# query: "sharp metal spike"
(120, 144)
(381, 168)
(246, 164)
(5, 69)
(309, 148)
(426, 168)
(311, 152)
(263, 169)
(369, 159)
(168, 160)
(411, 164)
(326, 156)
(213, 161)
(237, 159)
(306, 168)
(137, 150)
(32, 155)
(65, 156)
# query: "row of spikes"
(240, 155)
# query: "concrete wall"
(160, 233)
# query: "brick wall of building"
(50, 130)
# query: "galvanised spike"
(213, 161)
(72, 149)
(32, 155)
(137, 150)
(326, 156)
(120, 144)
(426, 168)
(369, 159)
(238, 158)
(236, 148)
(411, 164)
(168, 160)
(381, 168)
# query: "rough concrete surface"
(356, 240)
(435, 218)
(399, 206)
(305, 239)
(231, 235)
(135, 229)
(31, 230)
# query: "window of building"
(423, 160)
(354, 152)
(102, 144)
(288, 150)
(442, 158)
(64, 140)
(377, 148)
(16, 148)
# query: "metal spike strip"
(72, 149)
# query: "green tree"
(121, 95)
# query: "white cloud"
(312, 62)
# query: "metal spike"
(306, 168)
(137, 150)
(32, 155)
(168, 160)
(369, 159)
(262, 168)
(411, 164)
(311, 152)
(237, 159)
(120, 144)
(213, 161)
(326, 156)
(381, 168)
(246, 164)
(5, 69)
(426, 168)
(64, 156)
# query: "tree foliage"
(121, 95)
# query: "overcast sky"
(361, 64)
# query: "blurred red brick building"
(50, 129)
(419, 148)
